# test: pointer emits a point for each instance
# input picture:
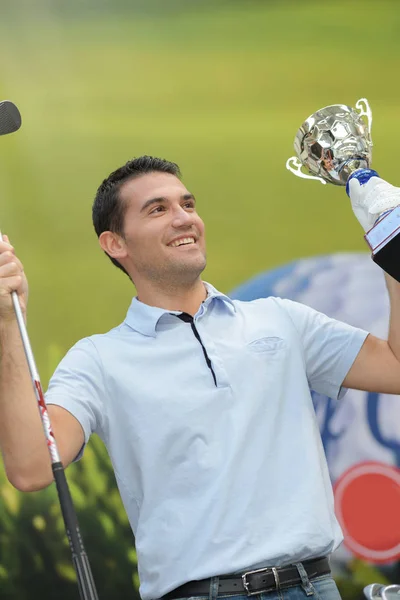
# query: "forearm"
(22, 440)
(393, 287)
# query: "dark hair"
(108, 210)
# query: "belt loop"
(214, 585)
(305, 582)
(276, 577)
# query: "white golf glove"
(372, 199)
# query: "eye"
(189, 204)
(157, 209)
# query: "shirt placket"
(217, 363)
(212, 358)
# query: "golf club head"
(373, 591)
(10, 117)
(391, 592)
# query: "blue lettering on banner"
(350, 287)
(326, 408)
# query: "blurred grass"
(219, 89)
(222, 92)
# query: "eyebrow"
(164, 199)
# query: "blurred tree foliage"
(35, 559)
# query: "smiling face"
(163, 239)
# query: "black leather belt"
(254, 582)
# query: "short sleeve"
(329, 346)
(77, 386)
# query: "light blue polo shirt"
(216, 476)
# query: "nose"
(182, 217)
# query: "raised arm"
(22, 440)
(377, 366)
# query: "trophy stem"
(351, 166)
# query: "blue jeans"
(319, 588)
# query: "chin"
(191, 269)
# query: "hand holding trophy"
(335, 146)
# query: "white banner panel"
(361, 434)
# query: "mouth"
(183, 241)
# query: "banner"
(361, 433)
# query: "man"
(203, 402)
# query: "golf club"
(10, 117)
(10, 121)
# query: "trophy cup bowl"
(334, 145)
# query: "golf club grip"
(87, 588)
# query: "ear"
(113, 244)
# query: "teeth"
(188, 240)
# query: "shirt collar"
(144, 318)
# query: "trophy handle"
(296, 169)
(365, 112)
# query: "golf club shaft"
(84, 576)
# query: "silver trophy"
(334, 144)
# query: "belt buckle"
(265, 570)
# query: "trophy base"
(384, 241)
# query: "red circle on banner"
(367, 503)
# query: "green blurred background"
(220, 87)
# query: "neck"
(183, 298)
